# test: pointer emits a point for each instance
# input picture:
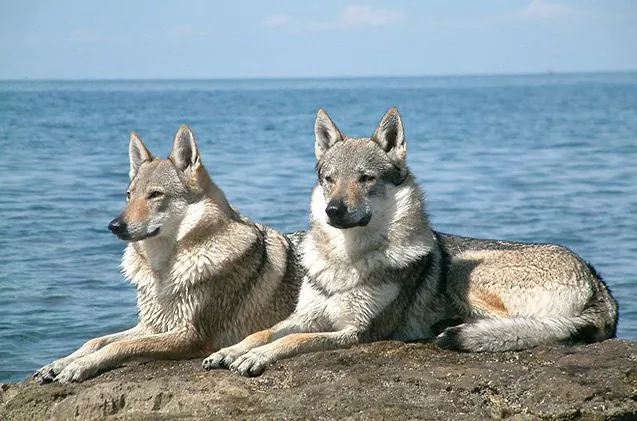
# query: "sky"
(138, 39)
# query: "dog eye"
(155, 194)
(329, 179)
(366, 178)
(128, 195)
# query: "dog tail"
(596, 322)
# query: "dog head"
(354, 174)
(161, 191)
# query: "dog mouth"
(125, 236)
(153, 233)
(345, 224)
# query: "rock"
(383, 380)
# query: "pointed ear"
(184, 153)
(326, 133)
(138, 153)
(389, 134)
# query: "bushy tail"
(596, 322)
(509, 334)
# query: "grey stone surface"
(383, 380)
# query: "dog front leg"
(48, 373)
(170, 345)
(253, 362)
(225, 356)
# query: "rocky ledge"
(383, 380)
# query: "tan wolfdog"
(205, 275)
(377, 270)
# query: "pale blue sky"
(115, 39)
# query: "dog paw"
(76, 371)
(45, 375)
(214, 360)
(48, 373)
(250, 364)
(221, 359)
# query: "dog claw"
(214, 361)
(44, 376)
(251, 364)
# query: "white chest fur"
(165, 302)
(354, 306)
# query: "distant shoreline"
(548, 72)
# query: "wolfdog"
(205, 275)
(377, 270)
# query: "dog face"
(160, 190)
(354, 174)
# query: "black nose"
(336, 209)
(117, 226)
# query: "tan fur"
(541, 265)
(487, 302)
(167, 346)
(298, 343)
(352, 194)
(504, 282)
(259, 338)
(136, 210)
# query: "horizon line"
(548, 72)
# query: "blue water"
(534, 158)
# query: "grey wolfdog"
(376, 270)
(205, 275)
